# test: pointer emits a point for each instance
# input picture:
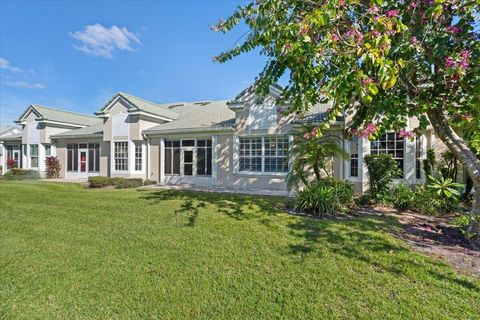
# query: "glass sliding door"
(83, 161)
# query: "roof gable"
(58, 116)
(139, 105)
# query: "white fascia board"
(186, 131)
(61, 123)
(149, 115)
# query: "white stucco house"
(241, 143)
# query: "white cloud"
(98, 41)
(25, 85)
(5, 64)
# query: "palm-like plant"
(311, 155)
(445, 187)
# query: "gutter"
(195, 130)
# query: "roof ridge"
(133, 96)
(63, 110)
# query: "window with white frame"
(138, 156)
(418, 157)
(48, 150)
(172, 157)
(121, 156)
(72, 157)
(354, 157)
(204, 157)
(392, 144)
(34, 155)
(193, 155)
(263, 154)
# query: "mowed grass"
(67, 252)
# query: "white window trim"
(193, 148)
(114, 169)
(236, 156)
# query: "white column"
(162, 161)
(214, 159)
(148, 159)
(4, 158)
(364, 144)
(41, 158)
(409, 162)
(112, 157)
(131, 157)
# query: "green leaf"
(367, 99)
(373, 88)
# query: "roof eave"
(188, 130)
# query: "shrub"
(52, 167)
(100, 182)
(382, 169)
(117, 182)
(11, 163)
(325, 196)
(20, 174)
(148, 182)
(403, 197)
(129, 183)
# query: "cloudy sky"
(76, 55)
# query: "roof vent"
(202, 103)
(175, 105)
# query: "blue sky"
(77, 55)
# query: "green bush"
(117, 182)
(382, 169)
(129, 183)
(20, 174)
(325, 196)
(403, 197)
(100, 182)
(148, 182)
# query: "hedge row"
(118, 183)
(20, 174)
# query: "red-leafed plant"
(53, 167)
(11, 163)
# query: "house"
(6, 131)
(241, 143)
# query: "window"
(263, 154)
(93, 157)
(121, 156)
(391, 144)
(204, 157)
(14, 153)
(72, 157)
(172, 157)
(34, 155)
(194, 152)
(418, 157)
(250, 154)
(354, 157)
(48, 150)
(138, 156)
(276, 149)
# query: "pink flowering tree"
(380, 60)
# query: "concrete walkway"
(250, 191)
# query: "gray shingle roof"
(211, 115)
(5, 127)
(144, 105)
(95, 130)
(17, 136)
(317, 113)
(59, 115)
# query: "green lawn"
(69, 252)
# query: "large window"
(418, 157)
(204, 157)
(93, 162)
(354, 157)
(263, 154)
(193, 156)
(72, 157)
(391, 144)
(121, 156)
(138, 156)
(34, 155)
(172, 157)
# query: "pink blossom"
(412, 5)
(449, 62)
(355, 34)
(467, 117)
(369, 129)
(373, 9)
(218, 27)
(405, 134)
(286, 48)
(414, 41)
(392, 13)
(455, 76)
(453, 29)
(367, 81)
(375, 33)
(304, 29)
(335, 37)
(306, 135)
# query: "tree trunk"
(469, 160)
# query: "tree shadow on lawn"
(354, 237)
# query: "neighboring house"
(6, 132)
(237, 144)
